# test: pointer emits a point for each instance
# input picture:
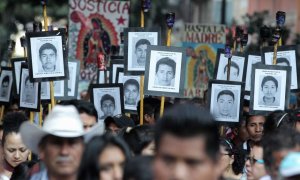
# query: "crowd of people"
(185, 143)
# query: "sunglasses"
(253, 160)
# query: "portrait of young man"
(48, 57)
(269, 87)
(165, 72)
(107, 106)
(131, 92)
(225, 104)
(140, 52)
(28, 91)
(234, 71)
(4, 91)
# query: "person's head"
(187, 147)
(141, 50)
(131, 91)
(139, 168)
(48, 55)
(290, 166)
(104, 158)
(255, 164)
(148, 108)
(14, 150)
(141, 140)
(107, 105)
(165, 71)
(114, 124)
(276, 145)
(22, 170)
(234, 70)
(60, 142)
(255, 126)
(4, 86)
(88, 114)
(269, 86)
(225, 101)
(278, 120)
(282, 62)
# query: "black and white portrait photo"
(72, 82)
(29, 91)
(136, 42)
(225, 100)
(16, 65)
(164, 71)
(251, 60)
(59, 89)
(108, 99)
(237, 66)
(131, 86)
(46, 56)
(6, 81)
(286, 56)
(269, 87)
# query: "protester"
(114, 124)
(290, 166)
(148, 109)
(141, 140)
(14, 150)
(88, 114)
(139, 168)
(240, 133)
(59, 143)
(103, 158)
(21, 171)
(187, 145)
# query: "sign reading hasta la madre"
(201, 42)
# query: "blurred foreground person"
(14, 150)
(290, 166)
(187, 145)
(21, 172)
(139, 168)
(59, 143)
(104, 158)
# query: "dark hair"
(21, 171)
(86, 107)
(269, 78)
(278, 140)
(277, 120)
(97, 21)
(107, 97)
(139, 168)
(132, 82)
(232, 64)
(47, 46)
(11, 123)
(139, 137)
(90, 167)
(149, 105)
(142, 41)
(225, 92)
(282, 60)
(185, 121)
(5, 79)
(167, 61)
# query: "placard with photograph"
(226, 100)
(103, 77)
(71, 84)
(136, 41)
(108, 99)
(16, 66)
(6, 82)
(252, 58)
(120, 75)
(131, 86)
(286, 56)
(113, 69)
(270, 88)
(237, 66)
(29, 91)
(165, 71)
(47, 58)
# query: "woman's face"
(269, 89)
(15, 152)
(225, 158)
(111, 162)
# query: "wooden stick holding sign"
(44, 4)
(146, 5)
(170, 20)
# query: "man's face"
(131, 93)
(234, 74)
(29, 91)
(164, 74)
(4, 89)
(184, 159)
(113, 128)
(140, 52)
(62, 156)
(255, 127)
(225, 104)
(108, 108)
(269, 89)
(48, 59)
(88, 121)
